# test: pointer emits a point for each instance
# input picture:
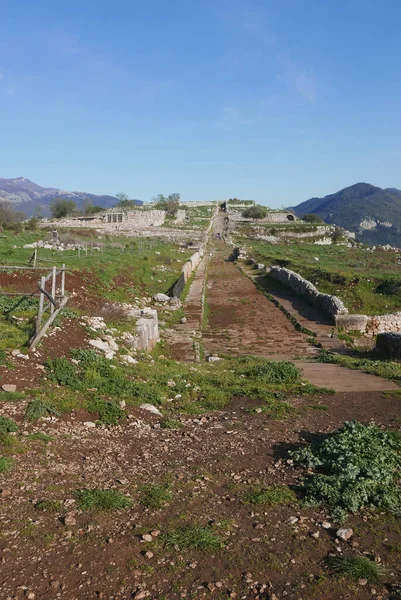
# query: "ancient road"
(242, 320)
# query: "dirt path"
(241, 320)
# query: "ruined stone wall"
(329, 305)
(280, 217)
(371, 325)
(180, 216)
(389, 344)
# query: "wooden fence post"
(63, 281)
(54, 276)
(41, 301)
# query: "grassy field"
(122, 271)
(367, 282)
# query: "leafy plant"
(192, 537)
(356, 567)
(98, 499)
(357, 466)
(41, 437)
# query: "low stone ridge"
(390, 344)
(329, 305)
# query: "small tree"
(62, 208)
(170, 204)
(255, 212)
(312, 218)
(121, 197)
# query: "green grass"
(40, 436)
(170, 424)
(5, 464)
(367, 282)
(275, 494)
(98, 499)
(191, 537)
(388, 369)
(53, 506)
(356, 567)
(154, 495)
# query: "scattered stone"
(326, 525)
(149, 554)
(345, 533)
(129, 359)
(213, 358)
(183, 320)
(155, 533)
(89, 424)
(363, 581)
(70, 519)
(9, 387)
(315, 535)
(147, 538)
(151, 408)
(293, 520)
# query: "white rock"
(151, 409)
(9, 387)
(90, 424)
(326, 525)
(100, 344)
(129, 359)
(161, 298)
(213, 358)
(345, 533)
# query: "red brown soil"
(210, 467)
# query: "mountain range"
(373, 213)
(32, 199)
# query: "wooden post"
(63, 281)
(41, 301)
(35, 256)
(54, 276)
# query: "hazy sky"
(275, 100)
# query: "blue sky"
(276, 100)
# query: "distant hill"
(29, 197)
(373, 213)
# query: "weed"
(170, 424)
(192, 537)
(154, 495)
(52, 506)
(322, 407)
(98, 499)
(109, 412)
(356, 567)
(7, 425)
(355, 467)
(275, 494)
(39, 408)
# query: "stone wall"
(329, 305)
(389, 344)
(186, 272)
(384, 323)
(146, 332)
(371, 325)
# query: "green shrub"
(275, 494)
(192, 537)
(357, 466)
(109, 412)
(64, 372)
(98, 499)
(268, 371)
(7, 425)
(356, 567)
(154, 495)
